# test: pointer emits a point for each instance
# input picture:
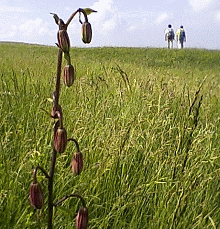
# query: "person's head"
(181, 27)
(169, 26)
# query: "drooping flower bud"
(68, 75)
(60, 140)
(63, 40)
(86, 32)
(36, 195)
(77, 163)
(82, 218)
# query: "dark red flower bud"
(77, 163)
(36, 195)
(82, 218)
(60, 140)
(68, 75)
(63, 40)
(86, 32)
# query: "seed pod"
(82, 218)
(63, 40)
(36, 195)
(60, 140)
(77, 163)
(68, 75)
(86, 32)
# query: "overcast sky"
(136, 23)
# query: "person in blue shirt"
(180, 37)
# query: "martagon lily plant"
(60, 138)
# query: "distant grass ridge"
(146, 163)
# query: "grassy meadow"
(148, 125)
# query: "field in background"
(151, 150)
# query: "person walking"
(169, 36)
(180, 37)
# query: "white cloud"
(36, 31)
(8, 32)
(199, 5)
(106, 19)
(12, 9)
(32, 28)
(30, 31)
(104, 23)
(218, 16)
(161, 18)
(132, 28)
(110, 24)
(103, 6)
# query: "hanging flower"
(77, 163)
(60, 140)
(86, 32)
(68, 75)
(36, 195)
(63, 40)
(82, 218)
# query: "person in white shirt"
(169, 36)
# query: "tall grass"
(129, 111)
